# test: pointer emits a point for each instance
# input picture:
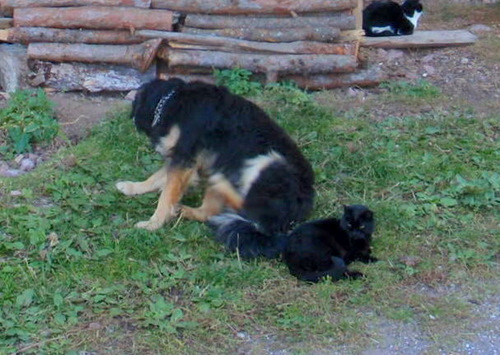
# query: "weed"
(28, 119)
(238, 81)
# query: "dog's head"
(151, 100)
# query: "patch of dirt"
(468, 77)
(77, 113)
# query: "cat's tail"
(245, 237)
(337, 271)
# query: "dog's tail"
(245, 237)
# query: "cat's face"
(358, 222)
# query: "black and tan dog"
(258, 182)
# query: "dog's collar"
(159, 107)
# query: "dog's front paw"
(150, 225)
(126, 187)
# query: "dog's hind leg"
(175, 186)
(219, 194)
(154, 183)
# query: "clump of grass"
(421, 89)
(28, 119)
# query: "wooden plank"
(5, 22)
(422, 39)
(238, 45)
(358, 13)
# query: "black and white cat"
(325, 247)
(388, 18)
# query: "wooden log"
(28, 35)
(89, 77)
(363, 78)
(237, 45)
(139, 56)
(64, 3)
(261, 63)
(246, 7)
(94, 17)
(320, 34)
(341, 20)
(9, 5)
(422, 39)
(5, 22)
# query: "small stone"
(11, 173)
(16, 193)
(410, 260)
(430, 70)
(428, 58)
(95, 326)
(242, 335)
(27, 164)
(19, 158)
(464, 61)
(37, 80)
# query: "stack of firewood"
(313, 42)
(86, 44)
(98, 44)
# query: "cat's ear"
(368, 214)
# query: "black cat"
(325, 247)
(388, 18)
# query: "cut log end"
(4, 35)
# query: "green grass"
(28, 119)
(411, 94)
(76, 275)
